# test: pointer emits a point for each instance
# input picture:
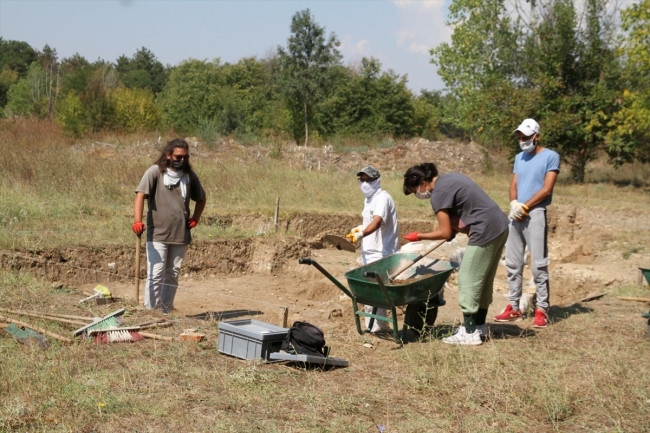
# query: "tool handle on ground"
(55, 318)
(158, 324)
(401, 269)
(634, 298)
(156, 336)
(37, 329)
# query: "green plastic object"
(371, 285)
(419, 288)
(646, 274)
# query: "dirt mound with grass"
(587, 257)
(591, 250)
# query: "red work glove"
(412, 237)
(192, 223)
(138, 227)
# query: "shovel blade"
(340, 243)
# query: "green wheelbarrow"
(371, 285)
(645, 273)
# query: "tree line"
(581, 71)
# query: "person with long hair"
(168, 186)
(460, 205)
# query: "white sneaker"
(462, 337)
(484, 331)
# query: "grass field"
(588, 372)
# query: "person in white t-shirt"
(378, 229)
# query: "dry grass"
(588, 372)
(56, 192)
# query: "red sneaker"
(541, 319)
(508, 314)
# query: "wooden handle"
(136, 289)
(75, 320)
(155, 324)
(417, 259)
(633, 298)
(37, 329)
(156, 336)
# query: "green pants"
(476, 274)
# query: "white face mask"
(368, 189)
(527, 146)
(426, 195)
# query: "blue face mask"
(527, 146)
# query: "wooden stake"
(277, 212)
(284, 315)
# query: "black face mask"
(178, 165)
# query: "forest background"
(582, 72)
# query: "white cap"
(528, 127)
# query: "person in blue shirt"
(535, 171)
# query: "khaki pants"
(476, 274)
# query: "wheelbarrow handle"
(314, 263)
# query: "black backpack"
(305, 339)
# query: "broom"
(104, 330)
(131, 333)
(109, 321)
(107, 328)
(115, 335)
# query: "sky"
(399, 33)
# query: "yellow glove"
(354, 236)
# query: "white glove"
(357, 229)
(518, 210)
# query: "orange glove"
(138, 228)
(412, 237)
(192, 223)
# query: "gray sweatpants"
(531, 232)
(163, 267)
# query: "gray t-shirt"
(168, 212)
(464, 199)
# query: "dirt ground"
(264, 276)
(261, 277)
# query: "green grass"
(588, 372)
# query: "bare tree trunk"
(306, 123)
